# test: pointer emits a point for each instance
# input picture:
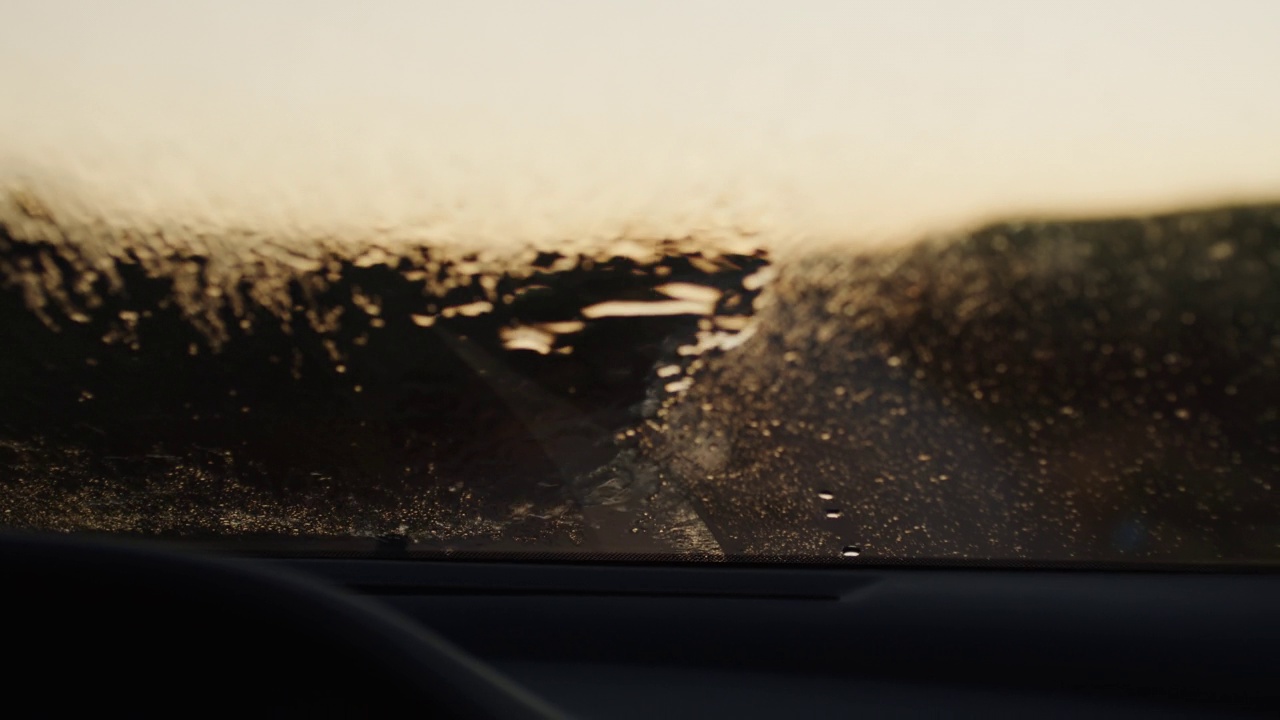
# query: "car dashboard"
(100, 624)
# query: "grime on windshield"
(1102, 390)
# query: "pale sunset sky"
(821, 120)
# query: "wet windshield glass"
(697, 338)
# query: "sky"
(501, 120)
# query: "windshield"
(845, 282)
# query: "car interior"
(99, 624)
(640, 359)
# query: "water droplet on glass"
(679, 386)
(668, 371)
(1221, 250)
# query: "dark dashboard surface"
(101, 625)
(641, 641)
